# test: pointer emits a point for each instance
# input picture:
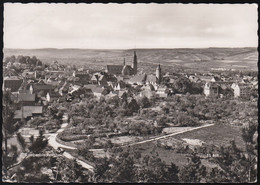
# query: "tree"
(10, 59)
(194, 171)
(182, 85)
(122, 169)
(101, 171)
(238, 166)
(144, 102)
(10, 158)
(8, 114)
(133, 106)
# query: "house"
(241, 90)
(52, 96)
(28, 132)
(97, 91)
(99, 79)
(73, 88)
(28, 74)
(149, 94)
(162, 92)
(82, 92)
(215, 79)
(39, 74)
(193, 78)
(148, 87)
(151, 79)
(121, 94)
(111, 95)
(28, 112)
(41, 88)
(120, 86)
(211, 88)
(83, 76)
(13, 83)
(24, 91)
(26, 99)
(206, 79)
(64, 89)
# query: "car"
(60, 150)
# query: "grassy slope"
(240, 57)
(217, 135)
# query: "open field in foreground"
(216, 134)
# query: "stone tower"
(159, 74)
(134, 65)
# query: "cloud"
(126, 25)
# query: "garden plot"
(125, 139)
(194, 142)
(169, 130)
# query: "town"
(130, 92)
(123, 124)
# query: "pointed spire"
(124, 61)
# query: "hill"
(199, 58)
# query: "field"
(216, 134)
(197, 59)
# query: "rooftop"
(26, 97)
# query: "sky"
(125, 26)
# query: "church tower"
(159, 74)
(134, 65)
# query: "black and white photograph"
(130, 93)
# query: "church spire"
(159, 73)
(134, 65)
(124, 61)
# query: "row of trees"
(34, 61)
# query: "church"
(124, 69)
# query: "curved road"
(56, 145)
(53, 143)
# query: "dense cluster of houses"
(34, 90)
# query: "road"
(56, 145)
(169, 135)
(53, 143)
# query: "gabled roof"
(12, 78)
(33, 109)
(24, 91)
(94, 88)
(151, 78)
(42, 87)
(54, 94)
(205, 78)
(138, 78)
(120, 93)
(26, 97)
(114, 69)
(27, 111)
